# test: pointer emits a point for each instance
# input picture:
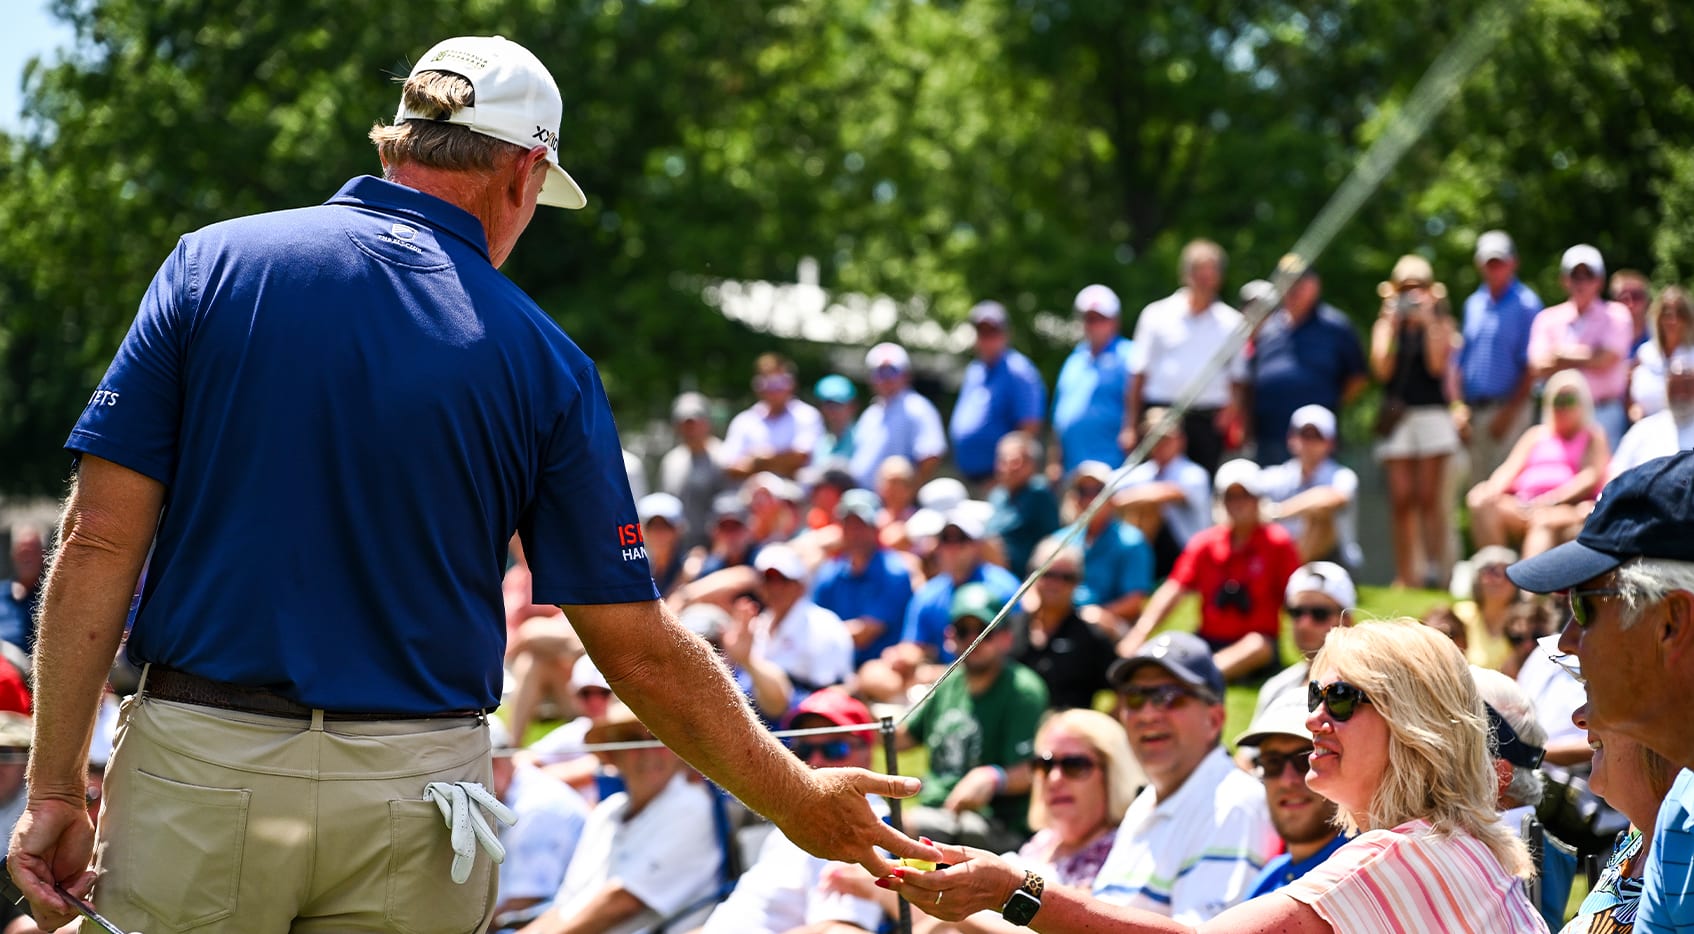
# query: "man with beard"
(1302, 817)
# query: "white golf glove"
(457, 801)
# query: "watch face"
(1021, 907)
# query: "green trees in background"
(940, 151)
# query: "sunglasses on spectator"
(1088, 491)
(1071, 767)
(885, 372)
(1581, 273)
(834, 750)
(1582, 603)
(593, 692)
(966, 630)
(1341, 698)
(1162, 697)
(1632, 295)
(1272, 764)
(1319, 614)
(773, 576)
(953, 538)
(1563, 401)
(1064, 577)
(1310, 434)
(774, 383)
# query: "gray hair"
(1646, 581)
(1025, 441)
(1050, 547)
(1515, 707)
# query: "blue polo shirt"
(882, 593)
(1022, 519)
(1283, 870)
(1117, 563)
(932, 608)
(1088, 403)
(1496, 347)
(1667, 889)
(352, 410)
(1295, 365)
(993, 400)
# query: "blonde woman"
(1672, 328)
(1401, 746)
(1547, 485)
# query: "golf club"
(87, 911)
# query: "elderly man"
(1306, 353)
(1089, 395)
(1002, 392)
(1175, 339)
(1494, 374)
(898, 422)
(1197, 836)
(276, 366)
(1630, 582)
(1281, 747)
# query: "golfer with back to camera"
(327, 423)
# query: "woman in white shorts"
(1410, 344)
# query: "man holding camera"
(1239, 568)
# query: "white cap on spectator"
(584, 674)
(887, 354)
(659, 506)
(990, 313)
(1327, 578)
(1098, 299)
(967, 521)
(1495, 244)
(1240, 472)
(942, 494)
(1314, 416)
(1583, 255)
(925, 523)
(777, 486)
(781, 559)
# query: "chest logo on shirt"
(401, 235)
(632, 541)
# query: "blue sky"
(29, 32)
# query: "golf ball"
(921, 864)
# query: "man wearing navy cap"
(1629, 579)
(325, 425)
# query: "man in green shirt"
(980, 731)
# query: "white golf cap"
(1099, 299)
(1240, 472)
(659, 506)
(886, 354)
(990, 313)
(1327, 578)
(1314, 416)
(516, 102)
(1495, 244)
(942, 494)
(1285, 715)
(781, 559)
(1583, 255)
(585, 674)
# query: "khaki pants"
(220, 821)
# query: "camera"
(1233, 596)
(1405, 303)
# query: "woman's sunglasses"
(1071, 767)
(1319, 614)
(1341, 698)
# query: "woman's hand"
(848, 879)
(975, 880)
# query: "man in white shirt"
(1194, 841)
(809, 643)
(1311, 495)
(779, 432)
(780, 892)
(1167, 496)
(1175, 338)
(1662, 433)
(647, 854)
(899, 422)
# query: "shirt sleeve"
(1345, 482)
(808, 427)
(134, 416)
(1030, 401)
(1342, 888)
(931, 440)
(581, 532)
(1187, 563)
(735, 442)
(1540, 350)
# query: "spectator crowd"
(842, 544)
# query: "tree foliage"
(940, 151)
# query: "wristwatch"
(1020, 909)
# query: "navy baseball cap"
(1644, 512)
(1183, 654)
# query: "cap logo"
(475, 61)
(550, 137)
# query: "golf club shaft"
(87, 911)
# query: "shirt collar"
(379, 194)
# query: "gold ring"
(938, 897)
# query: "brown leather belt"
(169, 684)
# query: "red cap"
(838, 707)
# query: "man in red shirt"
(1239, 568)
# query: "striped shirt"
(1195, 853)
(1411, 879)
(1667, 891)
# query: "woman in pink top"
(1547, 485)
(1401, 745)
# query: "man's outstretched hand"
(837, 822)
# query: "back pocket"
(186, 870)
(422, 897)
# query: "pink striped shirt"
(1411, 880)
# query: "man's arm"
(108, 526)
(678, 687)
(613, 906)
